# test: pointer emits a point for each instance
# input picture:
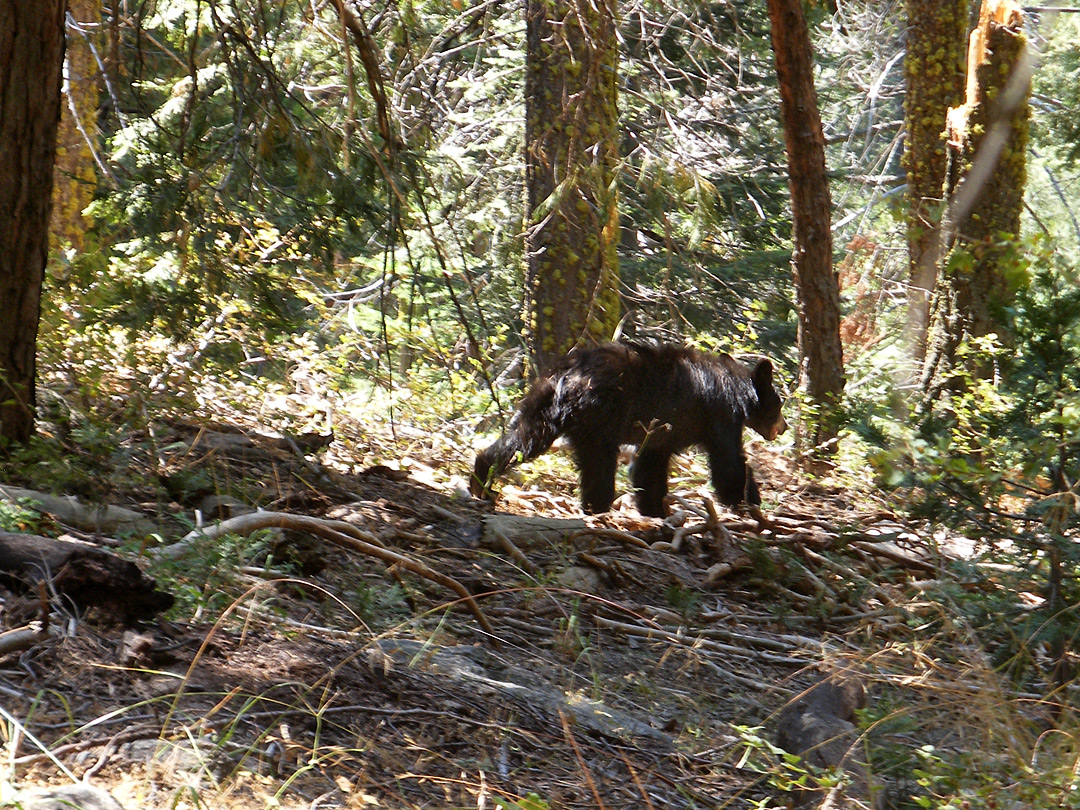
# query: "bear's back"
(630, 388)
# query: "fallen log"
(83, 573)
(254, 442)
(93, 518)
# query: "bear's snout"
(778, 427)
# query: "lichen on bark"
(571, 289)
(934, 70)
(75, 179)
(988, 138)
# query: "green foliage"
(20, 516)
(1046, 777)
(572, 640)
(685, 601)
(786, 772)
(252, 198)
(530, 802)
(84, 463)
(206, 581)
(191, 219)
(998, 461)
(379, 604)
(1057, 89)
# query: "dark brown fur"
(662, 399)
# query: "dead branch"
(611, 534)
(207, 439)
(339, 533)
(846, 573)
(528, 531)
(777, 642)
(722, 570)
(871, 546)
(252, 521)
(369, 56)
(515, 553)
(696, 642)
(22, 638)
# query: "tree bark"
(75, 179)
(572, 226)
(934, 73)
(821, 362)
(987, 171)
(31, 66)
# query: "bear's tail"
(530, 432)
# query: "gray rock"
(817, 726)
(70, 797)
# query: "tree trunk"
(572, 225)
(75, 179)
(31, 66)
(987, 171)
(821, 361)
(934, 71)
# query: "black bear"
(662, 398)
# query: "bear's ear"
(762, 374)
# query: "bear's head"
(766, 417)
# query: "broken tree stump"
(84, 573)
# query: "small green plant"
(20, 515)
(977, 781)
(685, 600)
(570, 641)
(787, 773)
(49, 465)
(530, 802)
(379, 605)
(206, 580)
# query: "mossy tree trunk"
(816, 285)
(572, 226)
(987, 170)
(934, 73)
(74, 178)
(31, 66)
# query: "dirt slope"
(626, 658)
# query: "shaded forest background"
(247, 193)
(314, 218)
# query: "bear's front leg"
(596, 463)
(649, 475)
(751, 494)
(732, 479)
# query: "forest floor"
(626, 662)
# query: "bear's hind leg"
(649, 474)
